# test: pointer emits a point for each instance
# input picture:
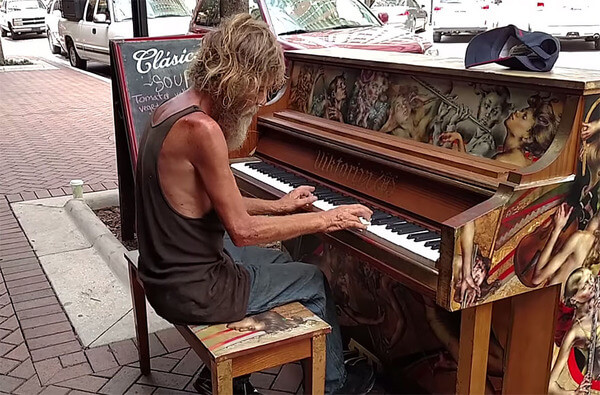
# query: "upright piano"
(468, 174)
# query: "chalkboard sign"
(149, 71)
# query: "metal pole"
(140, 18)
(431, 13)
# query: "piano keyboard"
(394, 229)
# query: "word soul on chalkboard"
(149, 72)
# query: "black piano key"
(407, 229)
(378, 215)
(341, 199)
(391, 225)
(322, 189)
(391, 221)
(418, 233)
(434, 244)
(403, 225)
(426, 236)
(328, 195)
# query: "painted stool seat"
(281, 335)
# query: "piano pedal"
(355, 347)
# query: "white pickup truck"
(104, 20)
(22, 16)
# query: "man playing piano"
(187, 198)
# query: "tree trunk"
(2, 60)
(231, 7)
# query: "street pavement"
(56, 125)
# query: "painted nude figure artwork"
(494, 104)
(580, 248)
(303, 86)
(530, 131)
(577, 264)
(333, 103)
(589, 157)
(269, 322)
(411, 113)
(472, 268)
(581, 294)
(369, 101)
(489, 121)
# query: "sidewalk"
(57, 125)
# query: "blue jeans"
(277, 280)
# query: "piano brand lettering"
(154, 59)
(381, 182)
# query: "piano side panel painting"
(512, 125)
(544, 236)
(415, 341)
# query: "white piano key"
(379, 230)
(403, 241)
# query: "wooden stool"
(284, 334)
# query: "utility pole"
(2, 60)
(139, 18)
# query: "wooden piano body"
(367, 125)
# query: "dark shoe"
(241, 385)
(360, 377)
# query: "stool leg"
(222, 381)
(141, 323)
(314, 372)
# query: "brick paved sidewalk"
(57, 125)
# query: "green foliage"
(15, 62)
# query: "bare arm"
(300, 197)
(561, 363)
(451, 137)
(261, 206)
(547, 265)
(467, 238)
(207, 150)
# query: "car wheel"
(55, 49)
(413, 26)
(3, 32)
(597, 44)
(437, 37)
(13, 35)
(74, 58)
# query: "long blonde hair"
(240, 58)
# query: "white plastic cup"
(77, 188)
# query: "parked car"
(452, 17)
(405, 12)
(22, 16)
(319, 24)
(53, 15)
(568, 19)
(86, 36)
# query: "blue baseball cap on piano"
(515, 48)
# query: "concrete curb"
(37, 65)
(102, 199)
(98, 234)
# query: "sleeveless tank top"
(187, 275)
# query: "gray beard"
(235, 126)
